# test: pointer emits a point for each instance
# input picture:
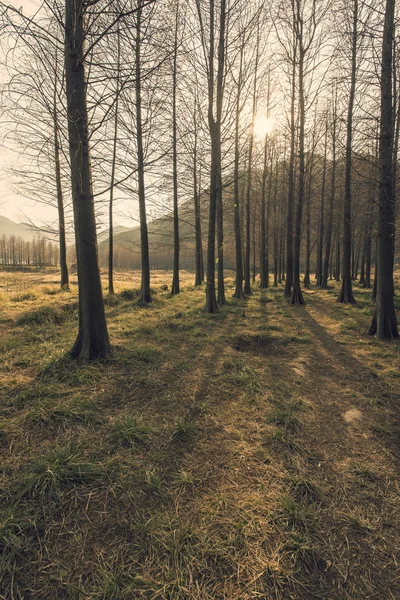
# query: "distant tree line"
(17, 252)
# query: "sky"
(13, 205)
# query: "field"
(251, 454)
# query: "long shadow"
(360, 375)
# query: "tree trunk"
(92, 340)
(322, 232)
(329, 225)
(290, 203)
(145, 295)
(199, 275)
(175, 278)
(247, 286)
(297, 296)
(60, 204)
(114, 160)
(384, 322)
(215, 135)
(263, 263)
(346, 293)
(307, 281)
(220, 239)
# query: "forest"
(199, 342)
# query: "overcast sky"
(12, 205)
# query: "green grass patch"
(129, 431)
(47, 477)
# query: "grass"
(60, 469)
(84, 412)
(196, 462)
(129, 431)
(184, 431)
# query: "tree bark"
(199, 275)
(346, 292)
(92, 340)
(113, 166)
(239, 293)
(175, 279)
(145, 294)
(384, 322)
(290, 203)
(329, 225)
(322, 232)
(60, 202)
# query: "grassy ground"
(248, 454)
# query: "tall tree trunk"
(220, 239)
(175, 278)
(368, 240)
(346, 293)
(215, 135)
(247, 286)
(297, 296)
(384, 322)
(199, 275)
(308, 218)
(264, 275)
(145, 294)
(276, 224)
(113, 166)
(220, 89)
(290, 203)
(329, 225)
(60, 199)
(237, 204)
(322, 232)
(338, 257)
(92, 340)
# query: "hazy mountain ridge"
(10, 228)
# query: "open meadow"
(248, 454)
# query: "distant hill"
(103, 235)
(10, 228)
(127, 243)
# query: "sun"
(263, 126)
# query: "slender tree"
(346, 292)
(384, 322)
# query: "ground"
(251, 454)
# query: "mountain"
(10, 228)
(103, 235)
(161, 235)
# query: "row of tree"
(121, 103)
(17, 252)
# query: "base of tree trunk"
(86, 350)
(145, 298)
(247, 289)
(211, 306)
(175, 288)
(346, 294)
(388, 329)
(297, 296)
(239, 294)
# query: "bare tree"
(384, 322)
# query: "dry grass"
(248, 454)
